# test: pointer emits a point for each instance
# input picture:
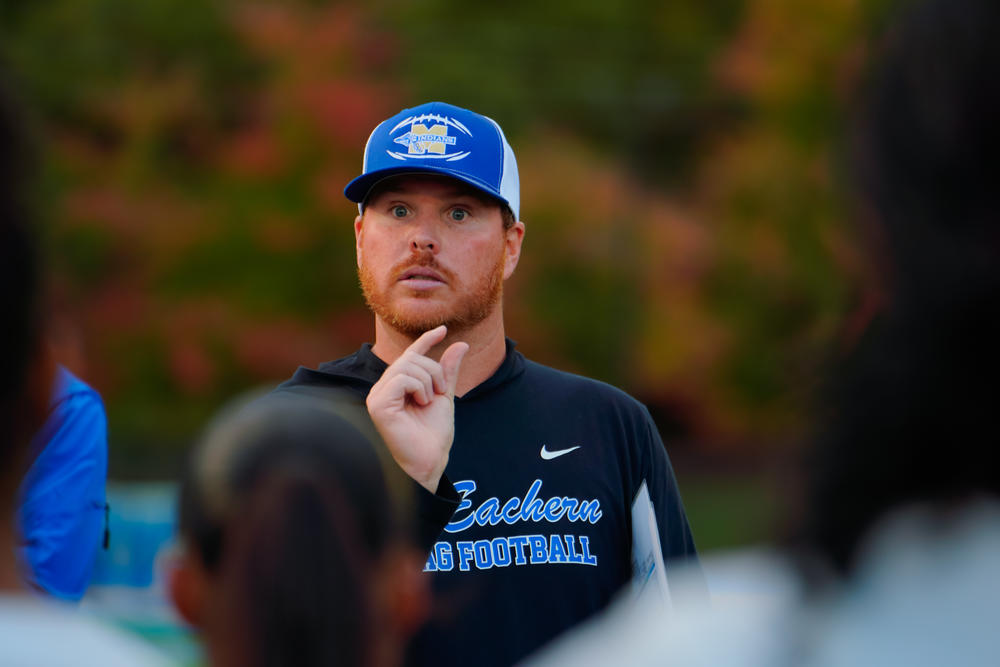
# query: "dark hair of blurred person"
(293, 550)
(57, 503)
(19, 282)
(913, 409)
(33, 631)
(22, 397)
(902, 496)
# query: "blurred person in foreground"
(33, 631)
(295, 551)
(62, 514)
(547, 466)
(895, 560)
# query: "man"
(546, 464)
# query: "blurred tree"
(685, 235)
(200, 245)
(713, 280)
(631, 76)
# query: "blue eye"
(458, 214)
(399, 211)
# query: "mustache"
(426, 261)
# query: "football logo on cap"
(427, 137)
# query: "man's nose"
(424, 238)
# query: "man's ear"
(187, 581)
(357, 236)
(513, 238)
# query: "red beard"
(467, 309)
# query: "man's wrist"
(431, 479)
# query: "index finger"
(427, 340)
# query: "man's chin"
(414, 328)
(415, 321)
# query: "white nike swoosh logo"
(547, 455)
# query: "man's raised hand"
(413, 407)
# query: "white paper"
(649, 576)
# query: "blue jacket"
(62, 500)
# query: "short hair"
(507, 216)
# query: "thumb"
(451, 360)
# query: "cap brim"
(357, 190)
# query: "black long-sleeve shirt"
(546, 465)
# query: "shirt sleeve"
(62, 503)
(676, 541)
(434, 510)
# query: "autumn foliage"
(686, 232)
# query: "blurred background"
(689, 237)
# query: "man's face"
(432, 251)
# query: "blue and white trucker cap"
(439, 138)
